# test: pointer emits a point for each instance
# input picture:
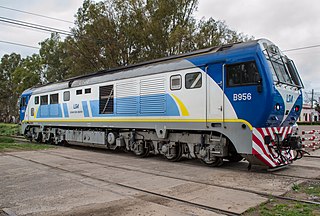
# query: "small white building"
(308, 114)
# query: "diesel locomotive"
(222, 103)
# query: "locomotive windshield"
(283, 69)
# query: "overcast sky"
(288, 23)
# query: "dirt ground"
(82, 181)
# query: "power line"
(35, 14)
(301, 48)
(23, 24)
(34, 26)
(19, 44)
(28, 23)
(69, 33)
(21, 27)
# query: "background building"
(309, 114)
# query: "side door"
(215, 92)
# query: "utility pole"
(312, 93)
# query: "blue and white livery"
(227, 102)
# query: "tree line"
(110, 34)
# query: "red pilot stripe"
(267, 154)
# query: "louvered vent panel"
(152, 96)
(127, 98)
(152, 86)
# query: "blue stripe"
(65, 110)
(147, 105)
(85, 108)
(50, 111)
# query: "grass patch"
(9, 129)
(6, 140)
(305, 191)
(8, 144)
(311, 188)
(284, 208)
(8, 147)
(295, 187)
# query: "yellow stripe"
(144, 120)
(183, 108)
(35, 114)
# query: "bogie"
(141, 143)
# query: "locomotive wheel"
(216, 162)
(39, 138)
(233, 154)
(141, 149)
(177, 156)
(234, 157)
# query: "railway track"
(22, 139)
(267, 195)
(148, 192)
(312, 156)
(172, 198)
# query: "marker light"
(277, 107)
(297, 108)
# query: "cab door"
(243, 88)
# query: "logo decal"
(75, 106)
(289, 98)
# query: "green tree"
(170, 27)
(214, 33)
(28, 74)
(8, 99)
(120, 32)
(53, 56)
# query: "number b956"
(242, 97)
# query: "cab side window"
(241, 74)
(23, 102)
(193, 80)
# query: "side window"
(175, 82)
(54, 98)
(44, 100)
(79, 92)
(193, 80)
(66, 96)
(87, 91)
(36, 100)
(106, 99)
(245, 73)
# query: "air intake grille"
(106, 99)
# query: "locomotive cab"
(23, 103)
